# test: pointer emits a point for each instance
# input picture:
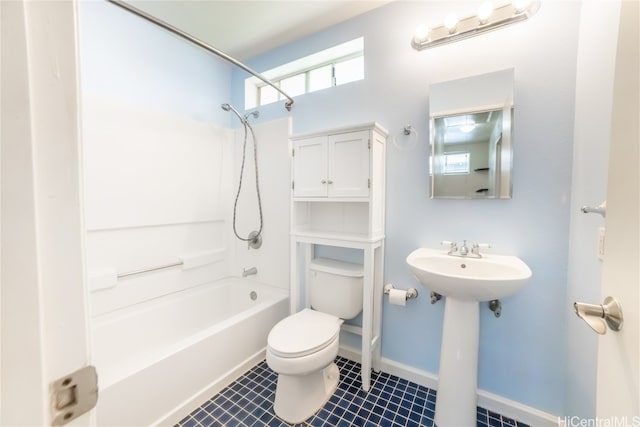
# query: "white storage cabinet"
(337, 199)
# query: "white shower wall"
(272, 260)
(159, 187)
(153, 192)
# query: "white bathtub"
(160, 359)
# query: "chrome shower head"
(228, 107)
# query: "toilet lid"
(303, 333)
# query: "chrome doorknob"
(598, 317)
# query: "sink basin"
(470, 279)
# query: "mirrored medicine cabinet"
(470, 131)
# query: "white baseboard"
(486, 400)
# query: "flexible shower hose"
(255, 161)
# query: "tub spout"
(247, 272)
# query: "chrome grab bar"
(147, 270)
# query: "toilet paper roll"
(398, 297)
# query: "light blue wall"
(522, 354)
(127, 58)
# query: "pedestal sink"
(464, 281)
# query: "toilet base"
(298, 397)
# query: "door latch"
(73, 395)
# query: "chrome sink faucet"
(464, 251)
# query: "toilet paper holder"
(411, 292)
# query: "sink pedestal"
(456, 399)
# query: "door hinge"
(73, 395)
(369, 144)
(293, 152)
(293, 185)
(369, 183)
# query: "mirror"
(470, 131)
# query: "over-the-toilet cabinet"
(332, 165)
(338, 199)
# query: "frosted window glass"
(268, 95)
(320, 78)
(350, 70)
(295, 85)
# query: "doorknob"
(598, 317)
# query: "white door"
(349, 165)
(618, 391)
(310, 167)
(44, 307)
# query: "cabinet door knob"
(324, 181)
(329, 182)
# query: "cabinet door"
(310, 167)
(348, 164)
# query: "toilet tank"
(335, 287)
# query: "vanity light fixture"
(488, 18)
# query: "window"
(456, 163)
(349, 70)
(320, 78)
(331, 67)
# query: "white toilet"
(302, 347)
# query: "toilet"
(302, 348)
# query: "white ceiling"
(243, 29)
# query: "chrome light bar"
(487, 19)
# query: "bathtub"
(158, 360)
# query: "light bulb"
(467, 127)
(422, 33)
(521, 5)
(485, 11)
(450, 22)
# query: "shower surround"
(159, 188)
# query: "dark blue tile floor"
(391, 402)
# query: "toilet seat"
(303, 333)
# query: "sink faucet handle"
(481, 245)
(453, 246)
(475, 248)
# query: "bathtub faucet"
(249, 272)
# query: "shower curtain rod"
(288, 103)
